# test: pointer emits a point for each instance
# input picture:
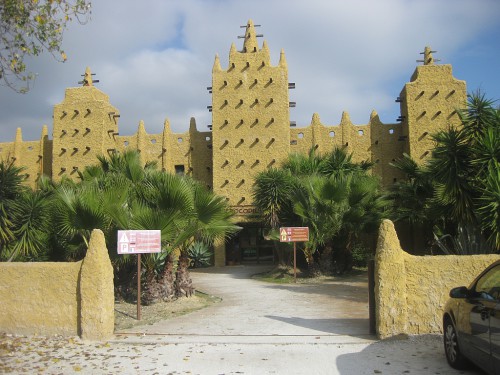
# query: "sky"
(154, 58)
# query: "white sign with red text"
(139, 241)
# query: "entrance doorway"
(250, 246)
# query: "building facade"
(250, 132)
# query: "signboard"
(244, 210)
(139, 241)
(294, 234)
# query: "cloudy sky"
(154, 57)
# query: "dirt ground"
(126, 313)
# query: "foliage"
(200, 255)
(466, 242)
(31, 227)
(27, 28)
(10, 188)
(331, 195)
(360, 255)
(457, 191)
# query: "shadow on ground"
(422, 354)
(351, 327)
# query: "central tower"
(250, 119)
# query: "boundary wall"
(60, 298)
(411, 291)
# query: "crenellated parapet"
(187, 153)
(34, 156)
(375, 141)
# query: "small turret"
(87, 78)
(250, 44)
(216, 67)
(283, 62)
(428, 58)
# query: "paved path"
(258, 328)
(252, 310)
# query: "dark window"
(179, 169)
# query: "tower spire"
(428, 58)
(87, 78)
(216, 67)
(250, 44)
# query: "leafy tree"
(25, 217)
(320, 205)
(330, 194)
(133, 196)
(10, 188)
(31, 214)
(410, 198)
(27, 28)
(457, 191)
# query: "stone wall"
(60, 298)
(410, 291)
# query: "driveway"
(253, 310)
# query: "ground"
(126, 313)
(256, 328)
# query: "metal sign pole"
(137, 242)
(139, 286)
(294, 262)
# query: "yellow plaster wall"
(60, 298)
(34, 156)
(85, 126)
(410, 291)
(429, 103)
(250, 119)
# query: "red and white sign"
(294, 234)
(139, 241)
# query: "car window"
(488, 286)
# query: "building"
(251, 131)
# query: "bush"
(200, 255)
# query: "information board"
(294, 234)
(139, 241)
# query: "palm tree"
(320, 204)
(410, 200)
(489, 206)
(300, 164)
(11, 187)
(456, 191)
(328, 193)
(208, 220)
(31, 227)
(366, 206)
(272, 195)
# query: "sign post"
(294, 234)
(139, 242)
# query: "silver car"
(471, 323)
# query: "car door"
(495, 335)
(484, 319)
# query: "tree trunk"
(166, 281)
(312, 267)
(151, 290)
(183, 282)
(325, 260)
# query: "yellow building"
(251, 131)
